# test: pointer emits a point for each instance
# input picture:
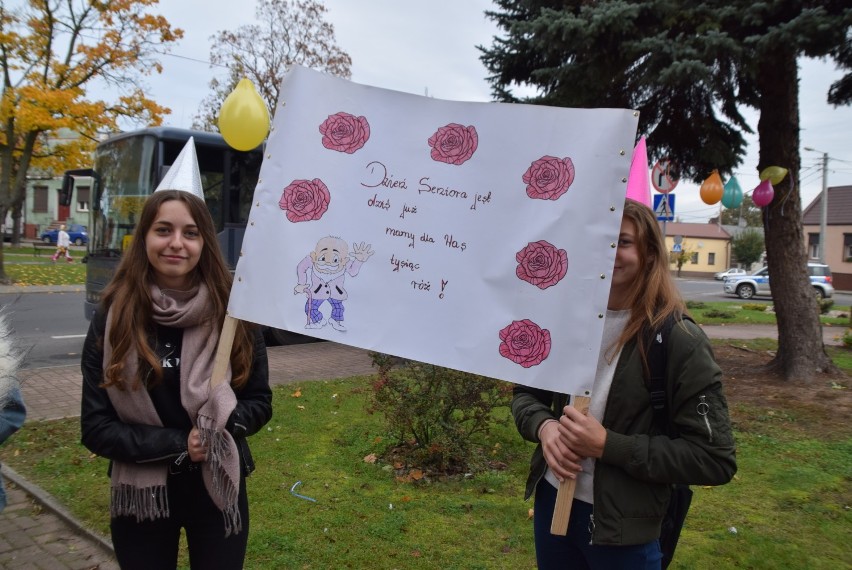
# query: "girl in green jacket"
(623, 463)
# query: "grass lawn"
(789, 502)
(788, 507)
(25, 268)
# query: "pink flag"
(638, 183)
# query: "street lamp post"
(823, 214)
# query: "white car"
(746, 287)
(732, 272)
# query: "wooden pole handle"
(565, 494)
(223, 351)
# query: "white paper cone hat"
(184, 174)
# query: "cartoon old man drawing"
(321, 275)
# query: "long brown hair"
(655, 297)
(129, 297)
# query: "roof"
(735, 231)
(839, 208)
(706, 231)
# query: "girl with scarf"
(622, 464)
(177, 446)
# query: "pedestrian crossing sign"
(664, 207)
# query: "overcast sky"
(429, 47)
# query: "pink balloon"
(763, 194)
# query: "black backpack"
(681, 497)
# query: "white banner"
(477, 236)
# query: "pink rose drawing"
(541, 264)
(525, 343)
(344, 132)
(305, 200)
(549, 177)
(454, 143)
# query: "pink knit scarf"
(139, 489)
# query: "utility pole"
(823, 214)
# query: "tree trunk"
(4, 280)
(801, 352)
(17, 221)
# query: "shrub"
(825, 305)
(435, 412)
(717, 314)
(847, 338)
(695, 305)
(754, 307)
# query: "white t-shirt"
(613, 327)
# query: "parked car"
(7, 234)
(732, 272)
(77, 233)
(747, 286)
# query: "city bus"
(129, 166)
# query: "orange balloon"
(712, 189)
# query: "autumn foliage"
(51, 55)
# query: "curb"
(6, 289)
(46, 500)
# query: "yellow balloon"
(774, 174)
(243, 118)
(711, 189)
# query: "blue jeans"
(573, 550)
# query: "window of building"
(813, 246)
(40, 199)
(847, 247)
(711, 258)
(694, 259)
(83, 199)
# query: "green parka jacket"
(633, 478)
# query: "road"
(711, 290)
(52, 324)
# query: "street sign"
(677, 248)
(664, 207)
(661, 179)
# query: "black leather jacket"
(106, 435)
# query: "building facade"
(838, 234)
(707, 248)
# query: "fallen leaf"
(300, 407)
(371, 458)
(398, 465)
(297, 393)
(405, 499)
(416, 474)
(416, 553)
(530, 514)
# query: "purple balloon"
(763, 194)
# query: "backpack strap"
(657, 356)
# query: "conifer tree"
(690, 68)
